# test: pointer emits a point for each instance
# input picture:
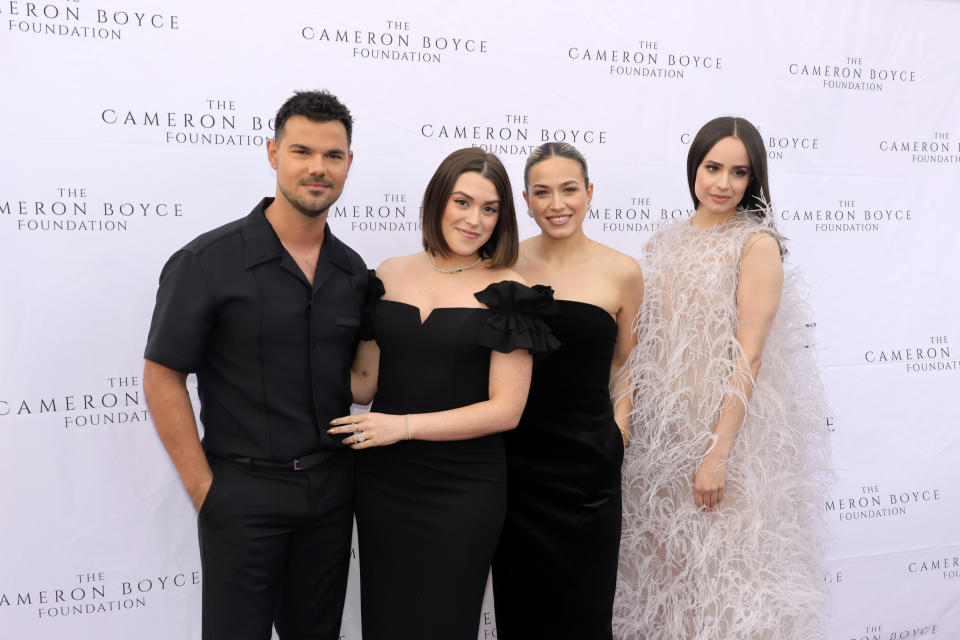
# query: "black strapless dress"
(555, 569)
(429, 513)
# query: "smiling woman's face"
(471, 214)
(557, 196)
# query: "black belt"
(297, 464)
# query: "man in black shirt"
(266, 311)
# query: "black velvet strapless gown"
(429, 513)
(555, 569)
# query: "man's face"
(312, 160)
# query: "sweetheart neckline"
(423, 320)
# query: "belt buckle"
(296, 465)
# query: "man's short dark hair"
(318, 106)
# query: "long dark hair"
(757, 196)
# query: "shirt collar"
(261, 244)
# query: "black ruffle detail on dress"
(374, 292)
(516, 321)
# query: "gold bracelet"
(406, 419)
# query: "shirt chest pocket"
(338, 338)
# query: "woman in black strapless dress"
(555, 569)
(448, 354)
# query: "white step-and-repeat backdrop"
(130, 127)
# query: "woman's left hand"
(369, 429)
(710, 481)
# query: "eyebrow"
(471, 198)
(736, 166)
(300, 145)
(562, 184)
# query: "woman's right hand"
(624, 430)
(365, 430)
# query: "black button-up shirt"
(272, 354)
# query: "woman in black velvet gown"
(448, 356)
(555, 569)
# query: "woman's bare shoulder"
(618, 264)
(397, 268)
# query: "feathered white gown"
(750, 569)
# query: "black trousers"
(275, 550)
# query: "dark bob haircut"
(502, 247)
(317, 106)
(757, 195)
(555, 150)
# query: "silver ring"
(360, 437)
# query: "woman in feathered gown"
(722, 533)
